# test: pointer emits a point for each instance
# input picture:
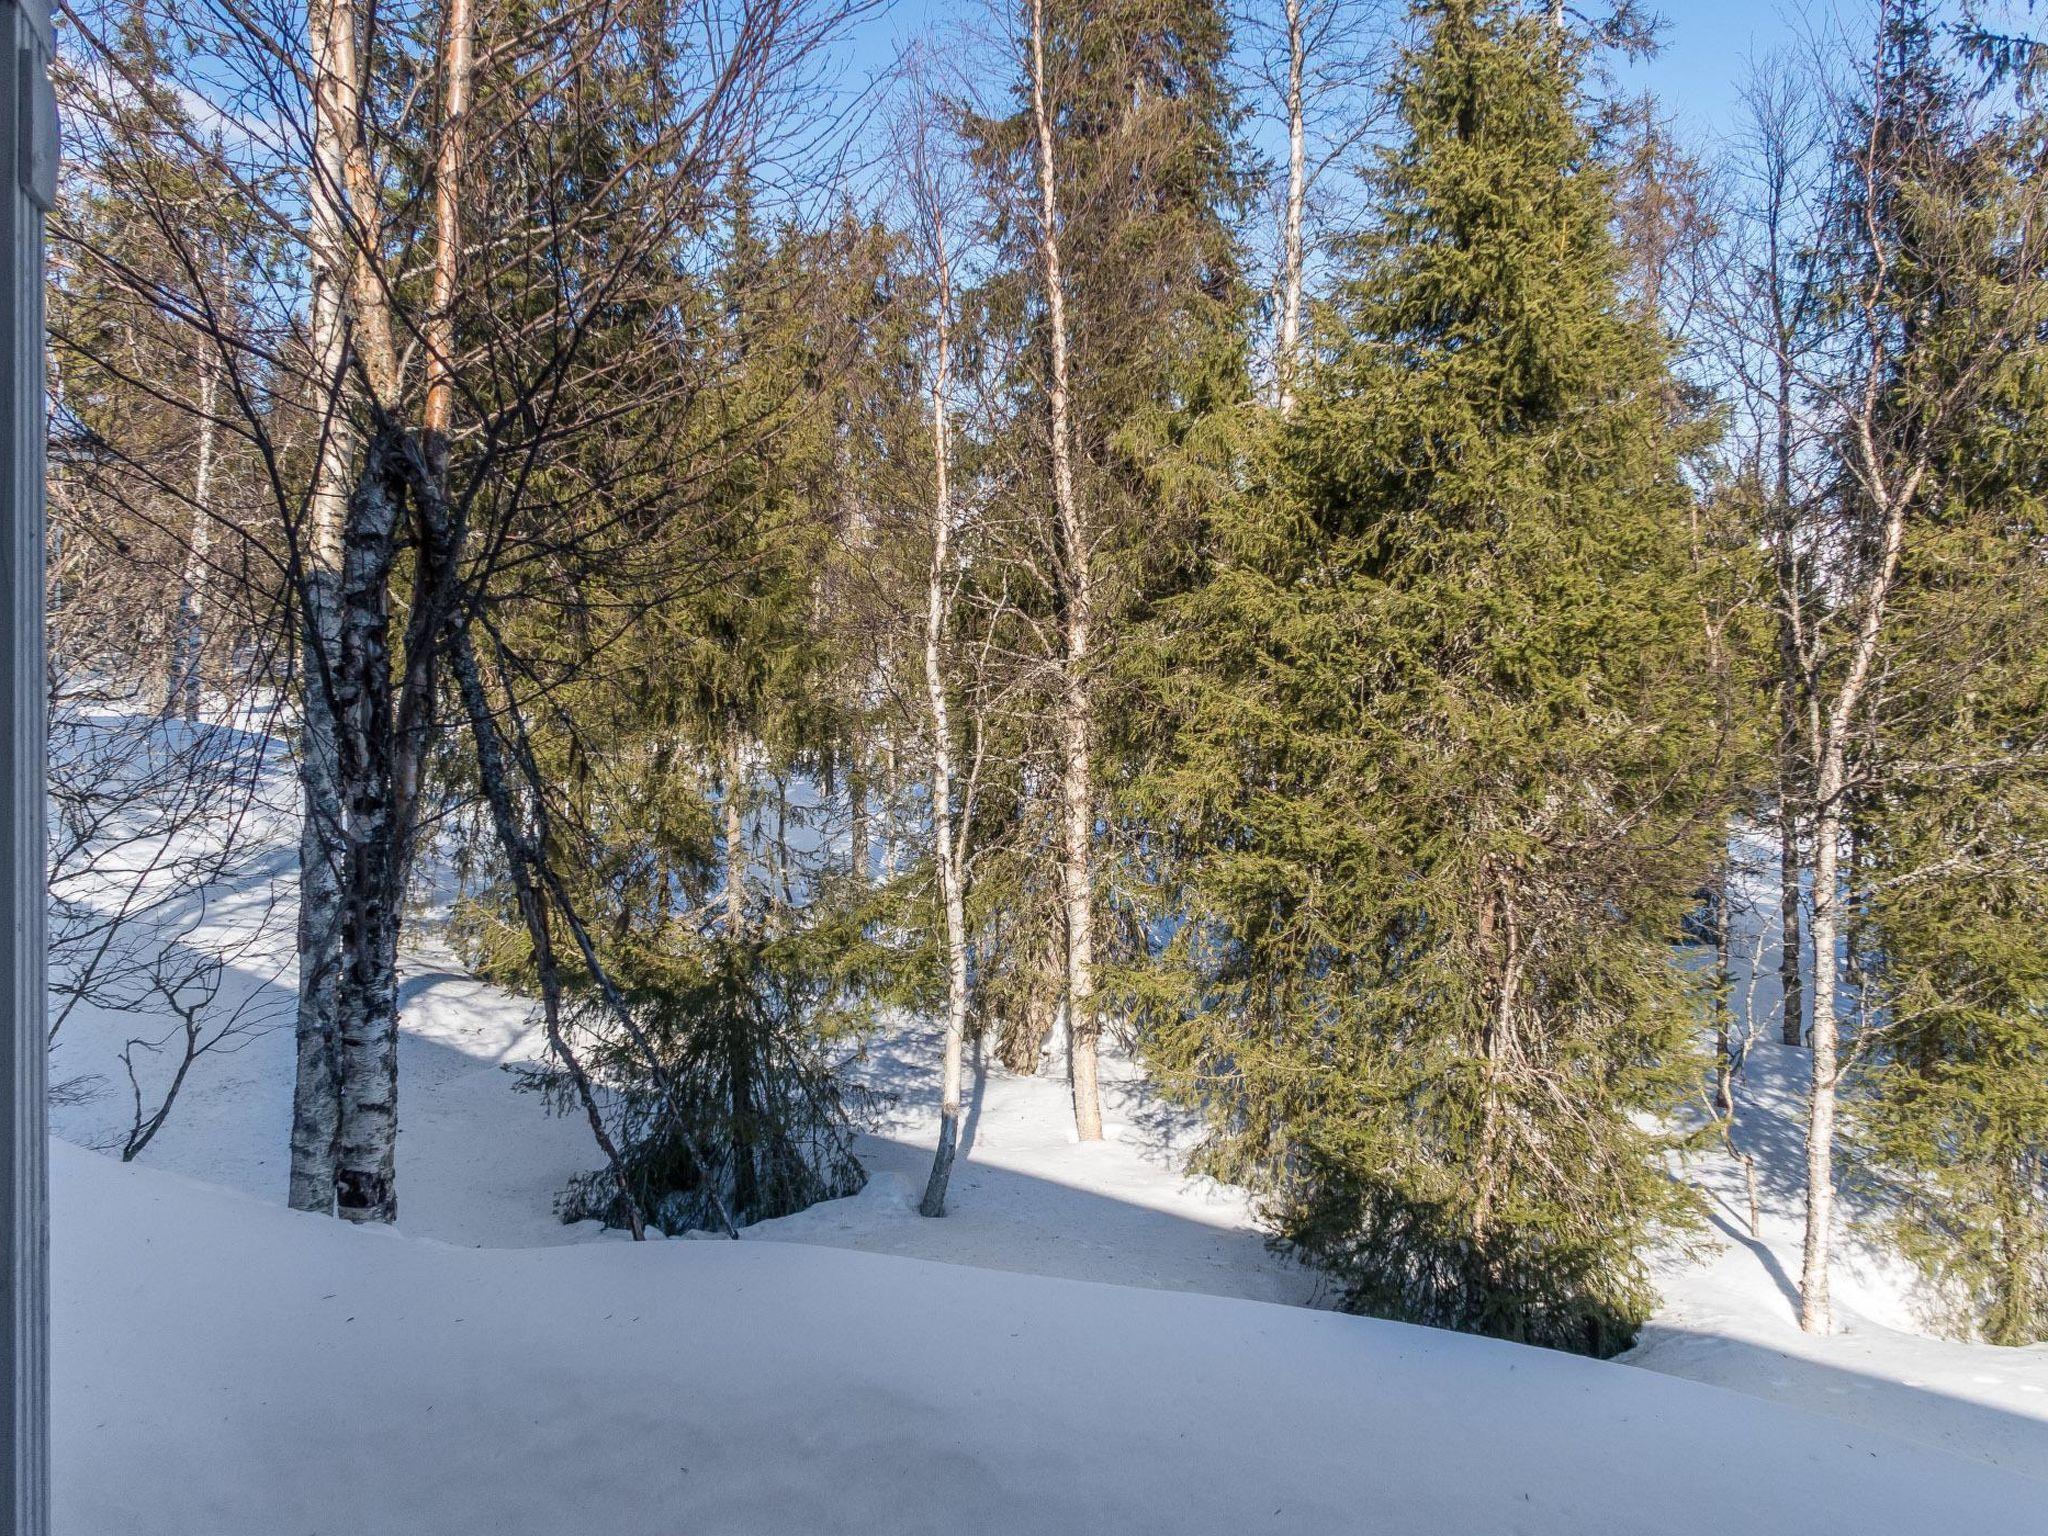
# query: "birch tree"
(1908, 369)
(1075, 602)
(1319, 70)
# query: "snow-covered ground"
(228, 1368)
(207, 1342)
(1731, 1316)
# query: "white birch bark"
(1831, 750)
(1077, 797)
(1287, 350)
(181, 698)
(948, 835)
(366, 1033)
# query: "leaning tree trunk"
(1076, 594)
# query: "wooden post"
(28, 131)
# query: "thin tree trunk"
(523, 860)
(1287, 353)
(1791, 605)
(1830, 757)
(892, 797)
(857, 855)
(733, 803)
(947, 835)
(1724, 1047)
(448, 162)
(435, 573)
(1077, 789)
(1814, 1309)
(181, 699)
(782, 896)
(1792, 1010)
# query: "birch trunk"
(1792, 1013)
(1077, 797)
(1814, 1305)
(181, 699)
(316, 1094)
(1286, 355)
(947, 836)
(1830, 757)
(366, 1037)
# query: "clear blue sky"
(1707, 46)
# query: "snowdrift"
(226, 1367)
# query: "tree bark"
(1790, 607)
(1077, 789)
(448, 160)
(316, 1094)
(1814, 1306)
(366, 1040)
(1830, 757)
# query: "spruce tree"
(1443, 774)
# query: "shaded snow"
(1732, 1318)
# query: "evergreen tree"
(1444, 776)
(691, 710)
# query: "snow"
(225, 1366)
(1729, 1316)
(1025, 1196)
(1732, 1318)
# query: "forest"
(1317, 561)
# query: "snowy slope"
(226, 1367)
(480, 1165)
(1025, 1196)
(1732, 1316)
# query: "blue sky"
(1706, 46)
(1706, 51)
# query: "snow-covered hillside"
(226, 1367)
(204, 1334)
